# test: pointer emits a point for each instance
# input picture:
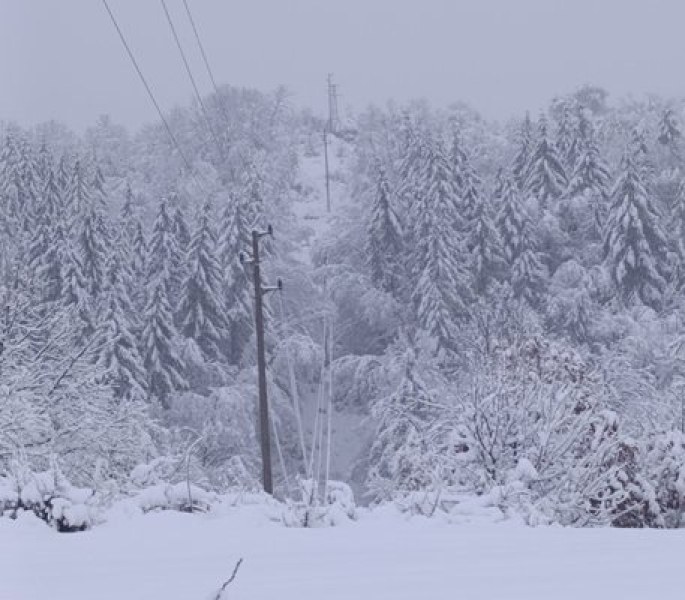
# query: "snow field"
(385, 555)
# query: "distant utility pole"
(259, 292)
(333, 114)
(328, 180)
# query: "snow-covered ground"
(382, 556)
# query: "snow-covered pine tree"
(458, 157)
(545, 178)
(181, 231)
(27, 187)
(470, 186)
(487, 256)
(201, 311)
(524, 152)
(635, 248)
(679, 218)
(591, 177)
(75, 292)
(441, 292)
(234, 239)
(384, 237)
(78, 193)
(409, 165)
(567, 139)
(49, 268)
(163, 366)
(98, 191)
(63, 179)
(93, 251)
(164, 256)
(120, 365)
(639, 149)
(670, 133)
(528, 274)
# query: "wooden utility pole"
(328, 182)
(264, 420)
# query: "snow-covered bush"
(49, 496)
(336, 507)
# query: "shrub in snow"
(664, 466)
(50, 497)
(182, 497)
(335, 508)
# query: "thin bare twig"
(229, 580)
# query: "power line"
(189, 71)
(151, 95)
(201, 46)
(205, 60)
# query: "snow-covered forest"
(491, 310)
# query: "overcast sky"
(61, 58)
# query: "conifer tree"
(27, 188)
(164, 256)
(669, 130)
(634, 246)
(201, 311)
(487, 256)
(93, 253)
(384, 237)
(120, 365)
(526, 145)
(181, 231)
(545, 178)
(410, 169)
(458, 157)
(76, 295)
(234, 239)
(162, 364)
(78, 191)
(442, 290)
(63, 180)
(519, 245)
(49, 269)
(568, 138)
(591, 176)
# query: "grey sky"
(61, 58)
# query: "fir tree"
(634, 246)
(78, 191)
(526, 145)
(75, 291)
(162, 364)
(120, 365)
(487, 256)
(164, 256)
(410, 169)
(181, 231)
(545, 178)
(234, 239)
(93, 253)
(567, 141)
(591, 176)
(669, 130)
(458, 157)
(201, 311)
(441, 292)
(97, 186)
(519, 245)
(385, 248)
